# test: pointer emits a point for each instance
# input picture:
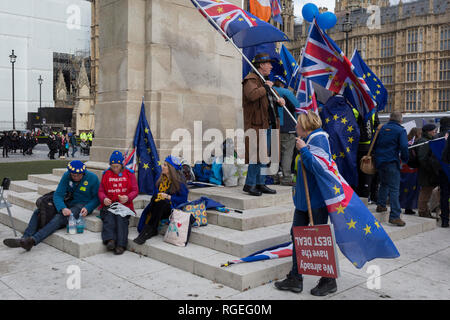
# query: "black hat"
(261, 58)
(428, 127)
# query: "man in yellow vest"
(89, 137)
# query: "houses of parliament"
(407, 46)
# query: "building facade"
(407, 46)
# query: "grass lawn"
(21, 170)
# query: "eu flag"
(359, 235)
(290, 66)
(149, 168)
(437, 147)
(379, 92)
(339, 122)
(409, 187)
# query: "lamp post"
(40, 80)
(13, 58)
(347, 28)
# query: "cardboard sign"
(315, 247)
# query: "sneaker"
(324, 287)
(381, 209)
(398, 222)
(290, 283)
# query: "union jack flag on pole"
(242, 27)
(324, 62)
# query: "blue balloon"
(309, 11)
(326, 20)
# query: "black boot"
(252, 190)
(264, 189)
(324, 287)
(26, 243)
(145, 234)
(291, 283)
(409, 211)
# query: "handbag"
(179, 228)
(367, 164)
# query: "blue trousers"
(115, 228)
(301, 219)
(59, 221)
(389, 175)
(254, 176)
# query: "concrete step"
(236, 198)
(44, 179)
(21, 186)
(201, 260)
(59, 171)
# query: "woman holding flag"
(308, 129)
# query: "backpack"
(47, 209)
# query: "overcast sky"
(298, 5)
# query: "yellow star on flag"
(240, 19)
(377, 224)
(340, 209)
(351, 224)
(219, 9)
(293, 64)
(368, 74)
(350, 128)
(378, 86)
(159, 163)
(344, 121)
(406, 190)
(281, 62)
(335, 117)
(330, 76)
(367, 229)
(350, 139)
(146, 166)
(334, 157)
(146, 130)
(364, 76)
(336, 189)
(341, 154)
(327, 120)
(377, 92)
(375, 79)
(347, 149)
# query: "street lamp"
(347, 28)
(40, 80)
(12, 58)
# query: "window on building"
(412, 40)
(445, 37)
(387, 74)
(420, 41)
(419, 70)
(390, 102)
(444, 69)
(413, 100)
(411, 71)
(387, 46)
(444, 99)
(361, 45)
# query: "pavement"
(421, 272)
(40, 152)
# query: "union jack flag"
(324, 63)
(306, 96)
(229, 17)
(245, 29)
(130, 160)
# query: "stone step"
(236, 198)
(198, 259)
(44, 179)
(21, 186)
(59, 171)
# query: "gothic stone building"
(407, 46)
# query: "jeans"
(74, 149)
(389, 175)
(301, 219)
(59, 221)
(254, 176)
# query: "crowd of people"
(11, 141)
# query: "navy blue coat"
(391, 142)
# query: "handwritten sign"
(315, 247)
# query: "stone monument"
(165, 53)
(83, 112)
(61, 91)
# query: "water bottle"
(80, 225)
(72, 225)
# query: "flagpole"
(421, 144)
(242, 54)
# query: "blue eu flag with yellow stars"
(377, 89)
(339, 122)
(149, 166)
(359, 235)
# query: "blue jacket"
(84, 192)
(317, 201)
(391, 141)
(287, 125)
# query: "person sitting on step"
(171, 192)
(82, 185)
(118, 185)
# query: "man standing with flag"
(259, 115)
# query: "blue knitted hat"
(76, 166)
(174, 161)
(280, 78)
(116, 158)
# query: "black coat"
(428, 164)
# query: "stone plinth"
(166, 52)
